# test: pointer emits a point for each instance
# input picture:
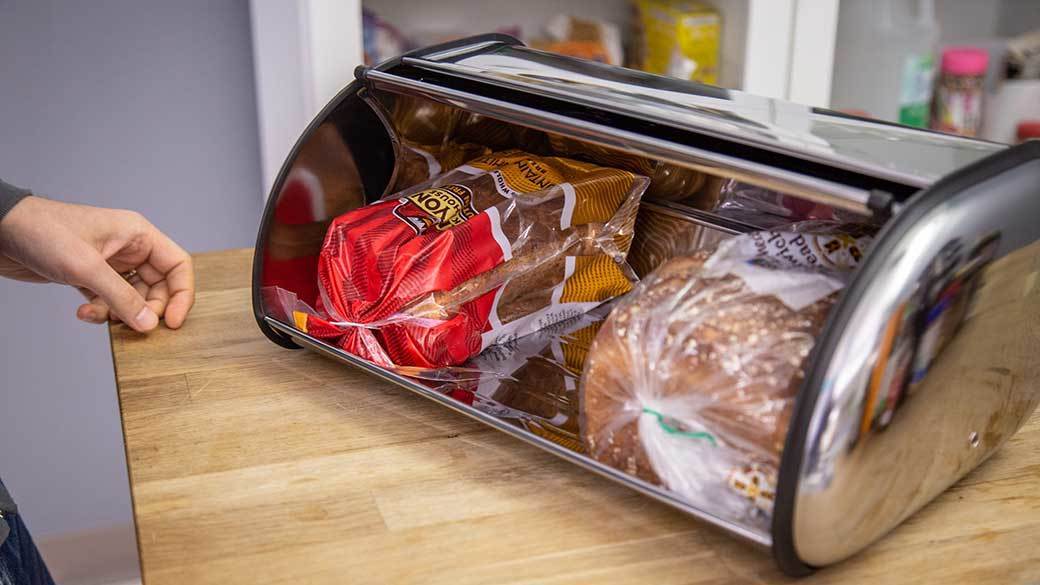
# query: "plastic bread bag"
(668, 182)
(661, 235)
(691, 381)
(488, 252)
(533, 381)
(418, 163)
(768, 209)
(432, 138)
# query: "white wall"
(304, 53)
(974, 20)
(146, 105)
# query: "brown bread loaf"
(747, 406)
(490, 251)
(691, 382)
(540, 261)
(418, 163)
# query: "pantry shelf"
(306, 51)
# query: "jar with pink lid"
(958, 94)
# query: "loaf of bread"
(691, 382)
(533, 382)
(419, 163)
(490, 251)
(667, 181)
(662, 234)
(433, 138)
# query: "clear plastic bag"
(433, 138)
(768, 209)
(667, 182)
(533, 381)
(418, 163)
(662, 235)
(486, 253)
(691, 381)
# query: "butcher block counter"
(250, 463)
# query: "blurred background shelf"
(882, 45)
(305, 51)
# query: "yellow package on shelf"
(676, 38)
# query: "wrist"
(9, 197)
(12, 207)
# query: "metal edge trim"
(460, 46)
(759, 539)
(265, 218)
(456, 51)
(699, 217)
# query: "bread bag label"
(516, 173)
(439, 208)
(798, 268)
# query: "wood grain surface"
(250, 463)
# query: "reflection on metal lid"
(907, 155)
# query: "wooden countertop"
(250, 463)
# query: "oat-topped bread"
(691, 381)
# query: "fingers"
(156, 296)
(120, 296)
(94, 310)
(164, 281)
(92, 313)
(174, 266)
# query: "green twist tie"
(679, 432)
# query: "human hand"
(89, 248)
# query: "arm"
(90, 248)
(9, 197)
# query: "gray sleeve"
(10, 196)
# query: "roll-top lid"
(888, 151)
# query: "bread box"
(886, 417)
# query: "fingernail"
(146, 319)
(88, 317)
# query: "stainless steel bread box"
(955, 211)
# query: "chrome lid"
(927, 365)
(901, 154)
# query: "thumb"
(121, 297)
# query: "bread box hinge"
(882, 204)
